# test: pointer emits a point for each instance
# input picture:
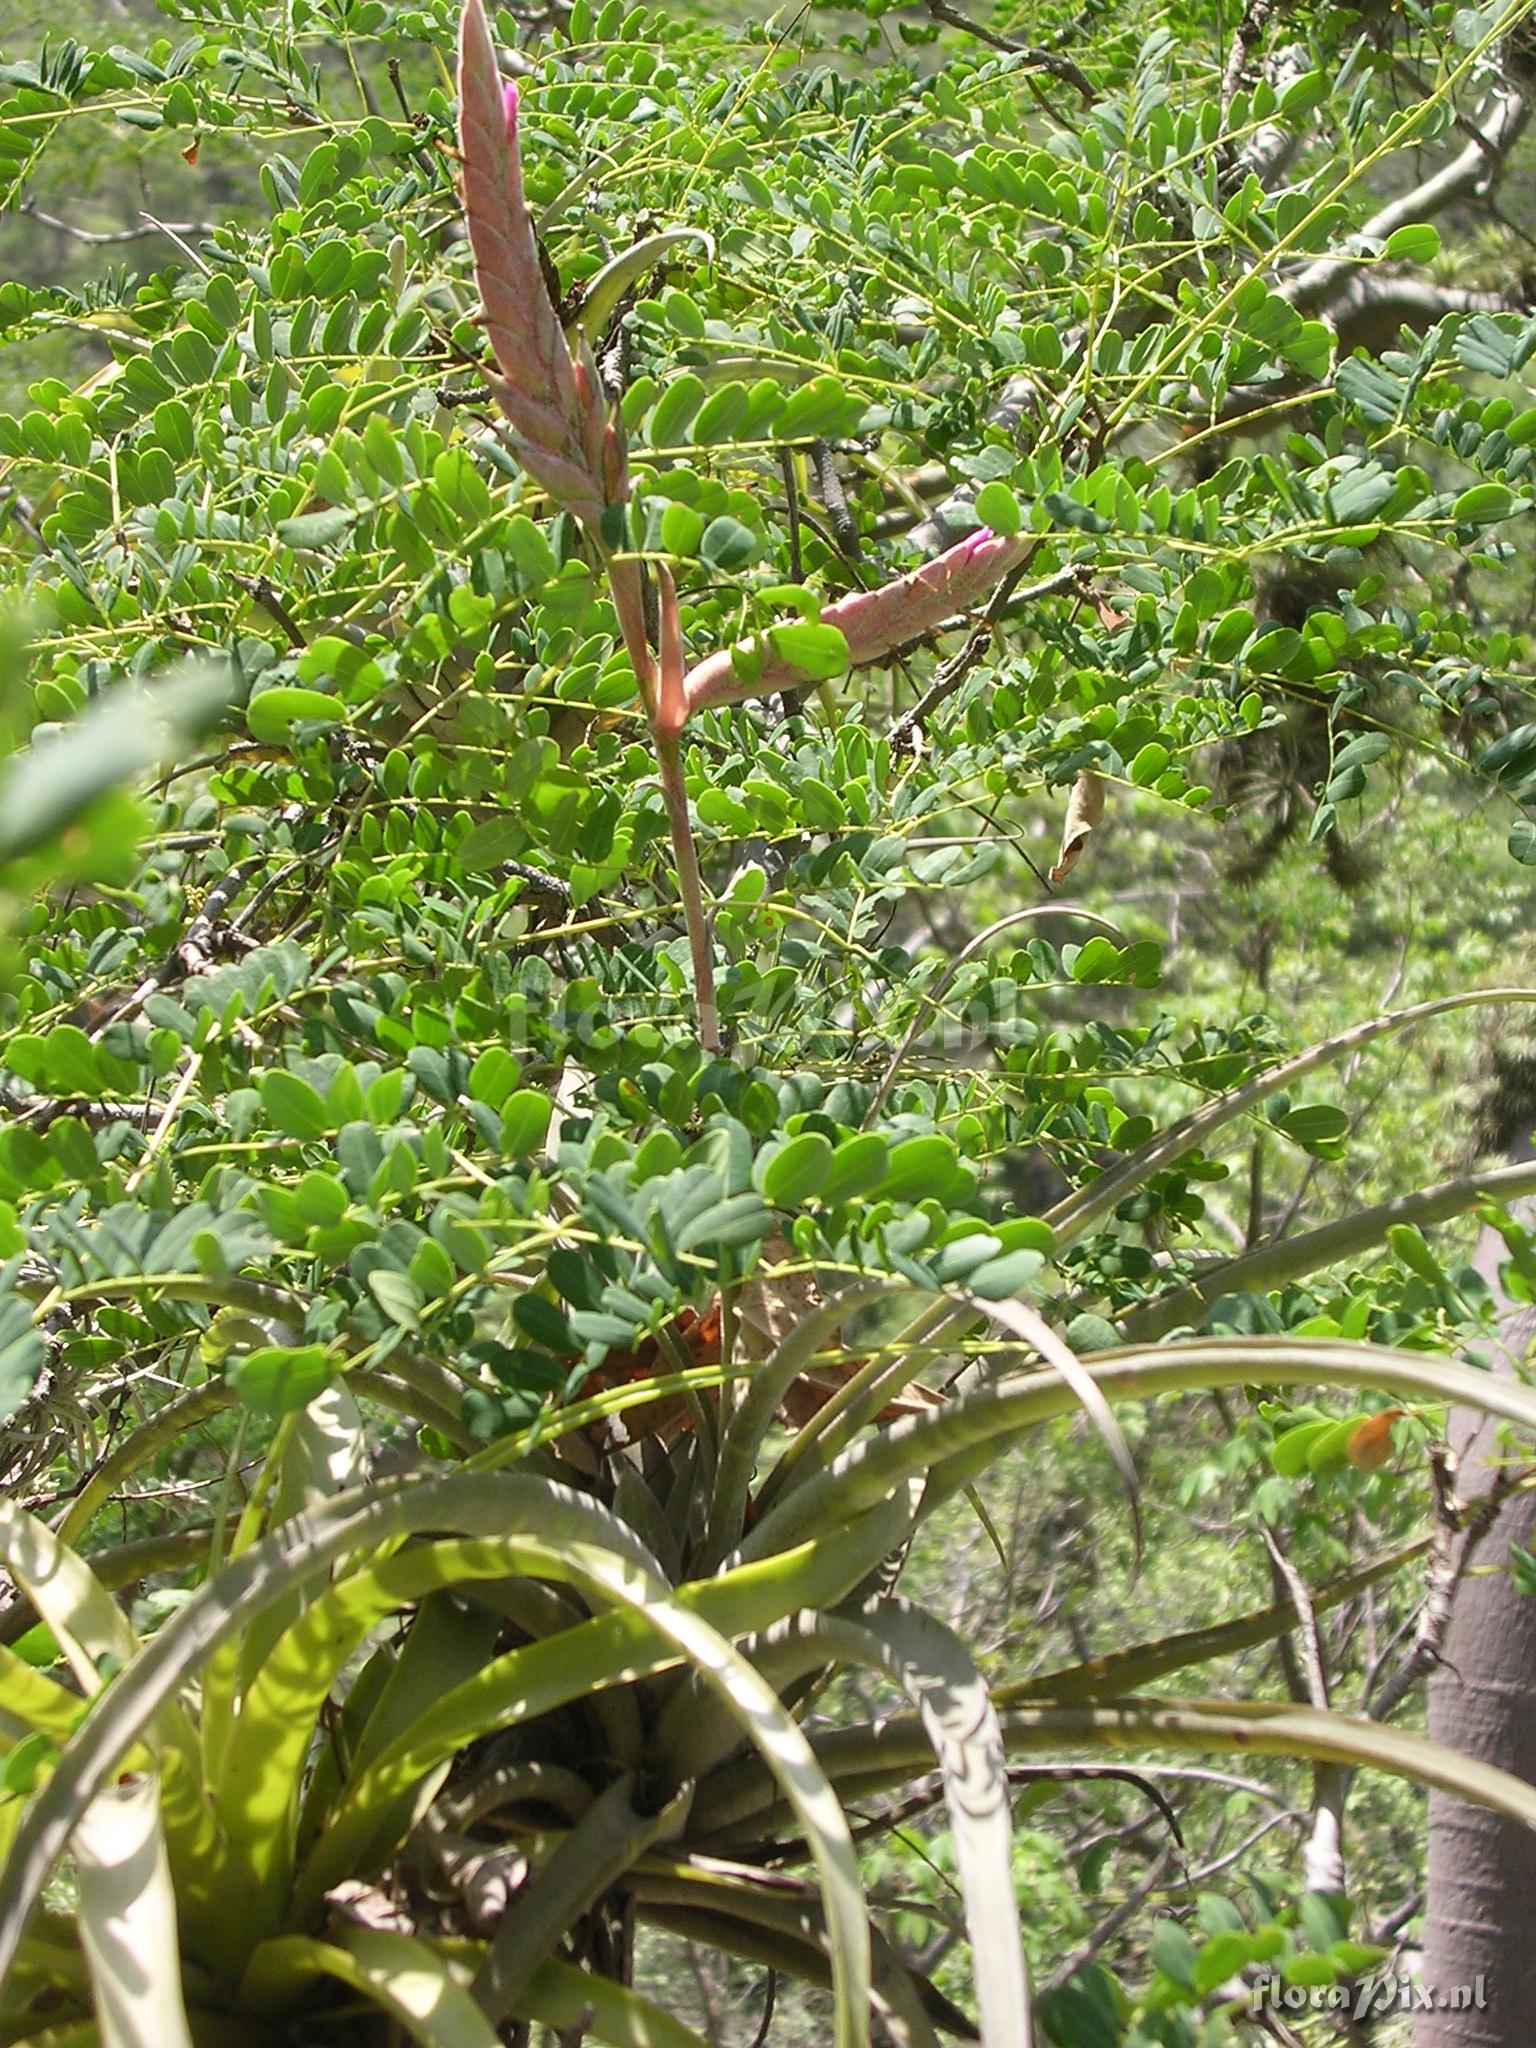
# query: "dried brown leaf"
(1085, 808)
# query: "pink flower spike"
(875, 622)
(557, 420)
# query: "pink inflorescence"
(875, 622)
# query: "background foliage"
(356, 1122)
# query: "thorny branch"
(1045, 60)
(952, 673)
(1324, 1852)
(101, 237)
(1116, 1918)
(1472, 174)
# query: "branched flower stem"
(571, 442)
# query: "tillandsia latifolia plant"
(366, 1115)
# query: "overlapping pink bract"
(554, 403)
(874, 622)
(572, 445)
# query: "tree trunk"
(1480, 1924)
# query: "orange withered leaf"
(1370, 1445)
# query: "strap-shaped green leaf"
(127, 1916)
(956, 1443)
(940, 1675)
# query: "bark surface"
(1480, 1924)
